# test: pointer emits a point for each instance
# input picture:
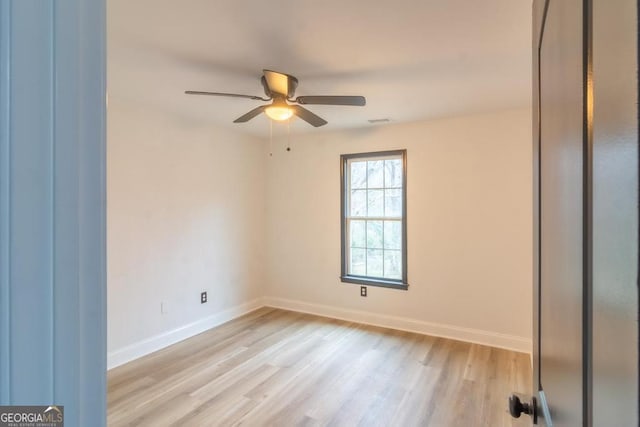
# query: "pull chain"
(289, 134)
(270, 138)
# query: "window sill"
(375, 282)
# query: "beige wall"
(185, 214)
(193, 208)
(469, 228)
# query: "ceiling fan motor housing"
(292, 84)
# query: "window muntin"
(374, 218)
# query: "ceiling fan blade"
(278, 83)
(250, 115)
(308, 116)
(234, 95)
(332, 100)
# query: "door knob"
(517, 408)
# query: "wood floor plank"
(279, 368)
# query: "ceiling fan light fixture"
(280, 88)
(279, 110)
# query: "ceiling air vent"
(373, 121)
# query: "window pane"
(393, 203)
(376, 203)
(393, 173)
(374, 235)
(358, 234)
(358, 202)
(392, 235)
(357, 262)
(375, 174)
(374, 262)
(373, 217)
(358, 174)
(393, 264)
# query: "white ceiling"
(411, 59)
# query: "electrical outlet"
(203, 297)
(163, 308)
(363, 291)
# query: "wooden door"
(614, 306)
(562, 223)
(586, 212)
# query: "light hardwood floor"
(280, 368)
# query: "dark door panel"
(561, 211)
(586, 198)
(615, 213)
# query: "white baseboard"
(158, 342)
(493, 339)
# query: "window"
(374, 219)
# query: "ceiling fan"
(280, 89)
